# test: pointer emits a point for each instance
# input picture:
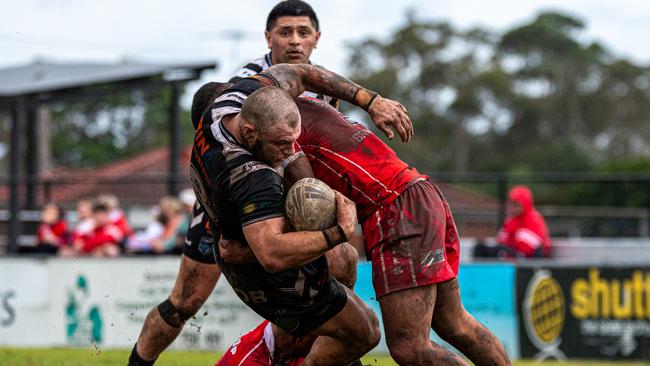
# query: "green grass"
(92, 357)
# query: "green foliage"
(538, 97)
(615, 194)
(99, 130)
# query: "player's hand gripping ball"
(310, 205)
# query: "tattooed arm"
(385, 113)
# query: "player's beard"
(258, 152)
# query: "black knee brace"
(173, 317)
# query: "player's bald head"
(268, 107)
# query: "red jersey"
(119, 219)
(254, 348)
(107, 234)
(350, 158)
(59, 230)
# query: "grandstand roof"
(48, 77)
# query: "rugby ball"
(310, 205)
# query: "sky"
(201, 30)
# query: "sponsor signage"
(102, 303)
(24, 303)
(584, 312)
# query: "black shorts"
(201, 238)
(298, 300)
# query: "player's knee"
(349, 274)
(371, 331)
(404, 353)
(176, 315)
(343, 264)
(191, 305)
(454, 328)
(189, 301)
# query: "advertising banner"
(584, 312)
(24, 303)
(104, 303)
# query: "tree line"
(537, 97)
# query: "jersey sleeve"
(259, 196)
(232, 99)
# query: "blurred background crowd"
(100, 228)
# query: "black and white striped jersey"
(256, 66)
(234, 188)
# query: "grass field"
(90, 357)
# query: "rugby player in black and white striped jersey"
(292, 33)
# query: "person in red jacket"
(103, 240)
(524, 233)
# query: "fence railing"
(17, 222)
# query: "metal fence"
(477, 199)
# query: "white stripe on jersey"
(322, 149)
(269, 338)
(529, 237)
(251, 352)
(230, 149)
(263, 62)
(341, 176)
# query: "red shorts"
(413, 241)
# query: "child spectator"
(103, 240)
(117, 216)
(84, 226)
(52, 233)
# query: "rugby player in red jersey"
(409, 234)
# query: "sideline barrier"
(487, 291)
(81, 302)
(103, 302)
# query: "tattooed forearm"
(297, 78)
(287, 78)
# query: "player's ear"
(317, 38)
(248, 133)
(267, 35)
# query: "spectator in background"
(525, 232)
(116, 215)
(187, 200)
(523, 235)
(160, 235)
(84, 226)
(85, 221)
(172, 208)
(52, 233)
(104, 239)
